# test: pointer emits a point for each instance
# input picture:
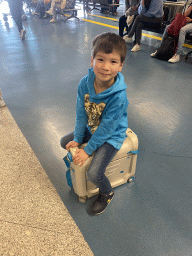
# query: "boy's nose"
(106, 65)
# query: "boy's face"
(106, 66)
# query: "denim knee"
(93, 176)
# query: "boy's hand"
(72, 144)
(80, 157)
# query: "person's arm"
(188, 11)
(141, 8)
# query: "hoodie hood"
(119, 85)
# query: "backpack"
(169, 43)
(167, 48)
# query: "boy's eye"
(100, 59)
(114, 62)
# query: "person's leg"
(143, 21)
(182, 34)
(16, 9)
(50, 11)
(96, 172)
(164, 34)
(69, 137)
(122, 25)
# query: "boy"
(101, 114)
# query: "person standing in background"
(16, 10)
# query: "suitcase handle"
(71, 153)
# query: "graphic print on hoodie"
(94, 111)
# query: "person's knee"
(183, 31)
(93, 176)
(62, 142)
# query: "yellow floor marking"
(103, 17)
(114, 27)
(152, 36)
(101, 24)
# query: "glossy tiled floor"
(39, 78)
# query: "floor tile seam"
(38, 228)
(185, 157)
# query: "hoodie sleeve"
(111, 120)
(81, 116)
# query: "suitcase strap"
(133, 152)
(68, 173)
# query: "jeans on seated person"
(103, 156)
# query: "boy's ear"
(121, 66)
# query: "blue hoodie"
(108, 107)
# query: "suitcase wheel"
(131, 179)
(82, 199)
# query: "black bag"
(167, 48)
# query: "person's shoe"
(53, 20)
(136, 48)
(49, 12)
(174, 59)
(100, 204)
(153, 54)
(127, 39)
(22, 34)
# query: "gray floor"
(39, 78)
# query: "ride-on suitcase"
(120, 170)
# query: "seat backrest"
(102, 2)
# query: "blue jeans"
(103, 156)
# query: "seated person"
(62, 5)
(53, 3)
(150, 15)
(182, 34)
(131, 13)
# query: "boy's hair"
(107, 42)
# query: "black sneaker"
(100, 204)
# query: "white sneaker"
(153, 54)
(22, 34)
(53, 20)
(49, 12)
(136, 48)
(127, 39)
(174, 59)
